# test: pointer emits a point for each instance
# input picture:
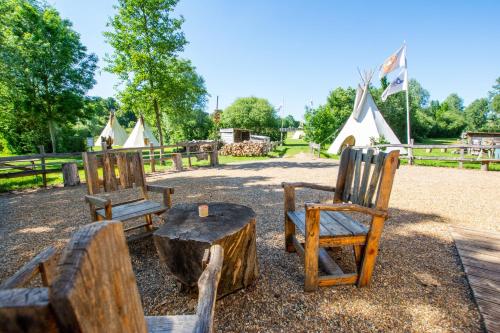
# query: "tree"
(290, 122)
(147, 40)
(450, 120)
(44, 71)
(252, 113)
(476, 114)
(320, 124)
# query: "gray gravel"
(418, 284)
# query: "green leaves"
(255, 114)
(44, 70)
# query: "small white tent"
(141, 135)
(114, 130)
(365, 122)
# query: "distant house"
(232, 135)
(482, 138)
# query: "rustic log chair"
(130, 175)
(324, 226)
(95, 290)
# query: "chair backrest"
(95, 289)
(130, 171)
(361, 183)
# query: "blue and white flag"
(399, 84)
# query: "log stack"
(245, 148)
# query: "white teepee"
(114, 130)
(365, 122)
(139, 134)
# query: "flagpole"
(408, 131)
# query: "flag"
(395, 61)
(399, 84)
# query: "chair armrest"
(165, 190)
(97, 201)
(347, 207)
(207, 290)
(309, 185)
(43, 263)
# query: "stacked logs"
(245, 148)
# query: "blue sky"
(300, 50)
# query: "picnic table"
(182, 240)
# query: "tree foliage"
(45, 73)
(147, 40)
(255, 114)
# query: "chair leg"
(149, 221)
(311, 250)
(370, 252)
(358, 254)
(289, 234)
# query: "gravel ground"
(418, 284)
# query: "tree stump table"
(182, 241)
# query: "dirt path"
(418, 283)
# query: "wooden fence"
(40, 164)
(460, 149)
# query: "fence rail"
(37, 164)
(461, 149)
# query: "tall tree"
(255, 114)
(476, 114)
(147, 40)
(45, 70)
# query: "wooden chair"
(130, 175)
(95, 291)
(324, 225)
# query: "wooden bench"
(325, 226)
(94, 290)
(130, 175)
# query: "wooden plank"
(126, 179)
(485, 294)
(108, 171)
(311, 250)
(492, 285)
(91, 175)
(367, 158)
(477, 244)
(342, 241)
(43, 263)
(162, 324)
(341, 176)
(96, 281)
(348, 223)
(134, 209)
(374, 179)
(349, 175)
(484, 273)
(478, 256)
(26, 310)
(357, 176)
(328, 264)
(494, 236)
(471, 262)
(471, 248)
(289, 206)
(333, 280)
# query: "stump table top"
(183, 222)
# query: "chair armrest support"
(347, 207)
(97, 201)
(43, 263)
(165, 190)
(207, 287)
(309, 185)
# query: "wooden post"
(177, 161)
(484, 166)
(311, 250)
(461, 163)
(411, 160)
(428, 150)
(42, 160)
(70, 174)
(152, 157)
(188, 151)
(289, 193)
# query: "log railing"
(461, 149)
(40, 164)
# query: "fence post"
(410, 153)
(152, 157)
(461, 163)
(42, 159)
(188, 150)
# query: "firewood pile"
(246, 148)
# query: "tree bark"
(52, 135)
(158, 119)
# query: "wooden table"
(182, 240)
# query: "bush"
(246, 148)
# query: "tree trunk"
(52, 135)
(158, 120)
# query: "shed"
(483, 138)
(232, 135)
